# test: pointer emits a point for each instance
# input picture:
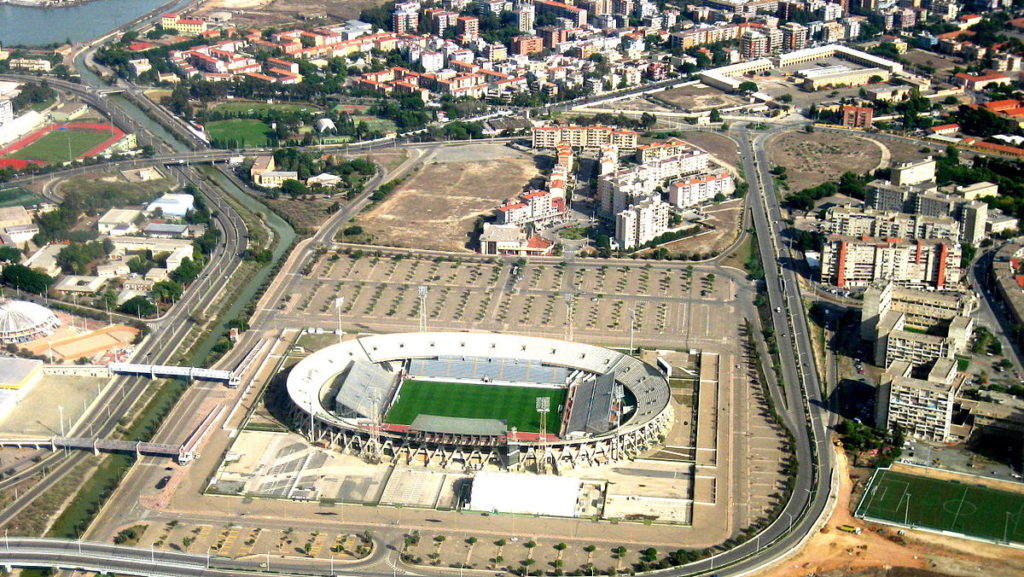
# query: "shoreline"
(45, 4)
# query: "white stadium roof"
(23, 319)
(527, 494)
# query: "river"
(24, 25)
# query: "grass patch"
(376, 124)
(968, 509)
(262, 108)
(244, 131)
(575, 232)
(516, 406)
(53, 147)
(962, 363)
(17, 196)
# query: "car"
(163, 482)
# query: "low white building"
(700, 189)
(172, 204)
(526, 494)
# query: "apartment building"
(587, 137)
(577, 16)
(858, 116)
(753, 44)
(527, 44)
(859, 222)
(406, 18)
(700, 189)
(657, 150)
(924, 310)
(535, 206)
(30, 64)
(184, 26)
(641, 223)
(860, 261)
(896, 343)
(921, 408)
(794, 36)
(619, 189)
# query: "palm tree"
(590, 552)
(560, 547)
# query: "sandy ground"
(811, 159)
(880, 547)
(725, 218)
(266, 12)
(697, 98)
(438, 207)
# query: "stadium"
(473, 401)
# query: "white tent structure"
(527, 494)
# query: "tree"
(167, 291)
(294, 188)
(716, 116)
(26, 279)
(787, 98)
(138, 306)
(747, 86)
(9, 254)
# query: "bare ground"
(814, 158)
(725, 218)
(697, 98)
(267, 12)
(721, 147)
(438, 207)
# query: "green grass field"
(17, 196)
(249, 131)
(262, 108)
(514, 405)
(967, 509)
(53, 146)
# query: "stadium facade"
(610, 406)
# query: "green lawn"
(262, 108)
(514, 405)
(245, 131)
(967, 509)
(377, 124)
(53, 146)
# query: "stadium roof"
(592, 406)
(458, 426)
(527, 494)
(364, 388)
(25, 318)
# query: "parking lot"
(672, 305)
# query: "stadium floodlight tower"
(570, 312)
(422, 291)
(632, 327)
(543, 408)
(619, 395)
(338, 302)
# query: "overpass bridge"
(184, 453)
(191, 373)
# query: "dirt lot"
(697, 97)
(902, 150)
(438, 207)
(725, 218)
(880, 547)
(265, 12)
(721, 147)
(814, 158)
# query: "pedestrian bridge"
(184, 453)
(190, 373)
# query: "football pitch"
(53, 146)
(973, 510)
(517, 406)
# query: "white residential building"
(699, 189)
(641, 223)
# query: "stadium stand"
(364, 390)
(488, 369)
(590, 409)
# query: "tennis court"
(517, 406)
(968, 509)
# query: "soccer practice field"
(52, 147)
(967, 509)
(517, 406)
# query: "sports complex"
(480, 400)
(60, 143)
(952, 507)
